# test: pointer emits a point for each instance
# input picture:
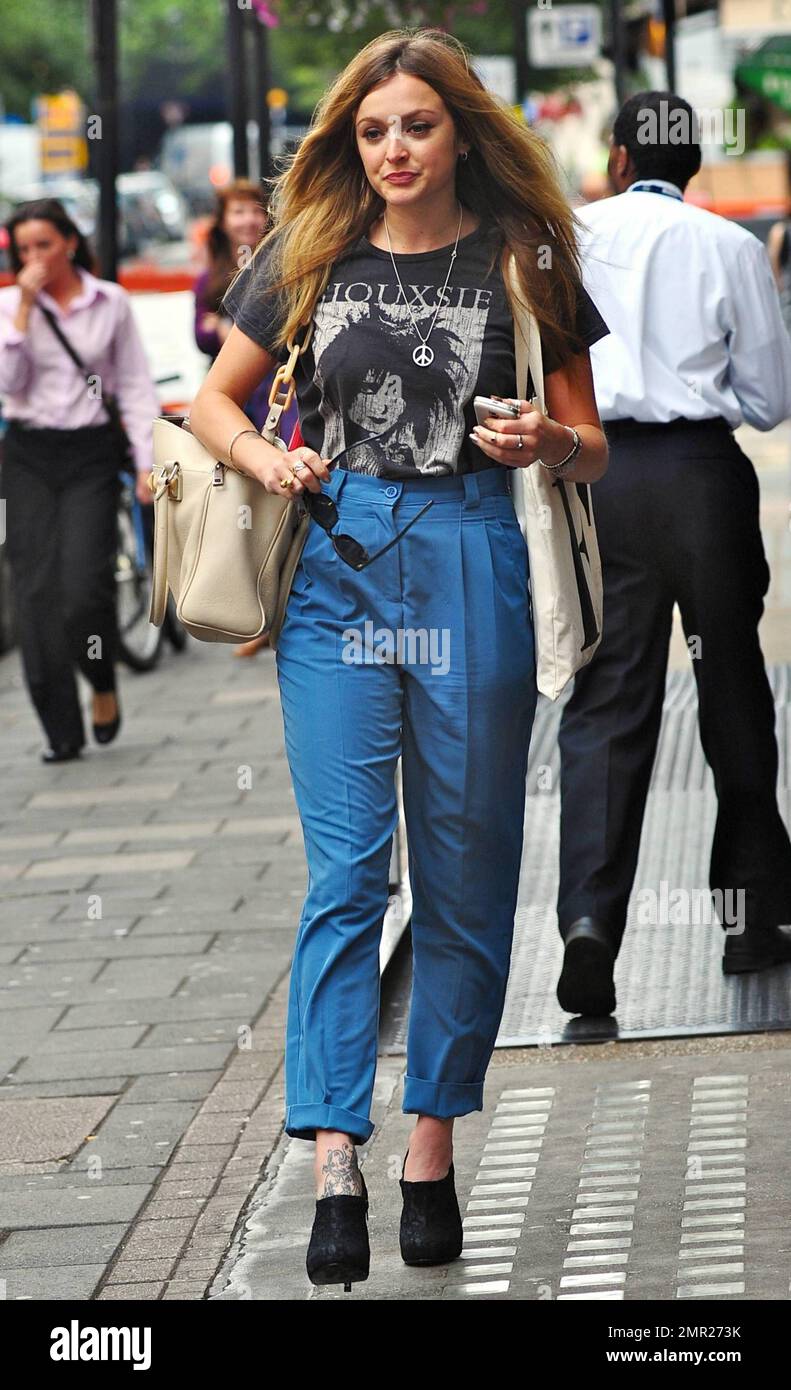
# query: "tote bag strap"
(527, 342)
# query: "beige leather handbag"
(225, 547)
(556, 520)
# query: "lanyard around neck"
(668, 190)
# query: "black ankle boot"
(431, 1229)
(339, 1252)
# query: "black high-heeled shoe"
(339, 1252)
(431, 1231)
(105, 733)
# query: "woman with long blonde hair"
(408, 629)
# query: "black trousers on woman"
(62, 490)
(677, 515)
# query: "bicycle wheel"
(172, 628)
(139, 641)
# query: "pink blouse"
(42, 387)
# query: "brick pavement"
(150, 897)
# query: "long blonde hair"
(323, 203)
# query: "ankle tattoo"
(340, 1172)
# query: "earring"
(464, 155)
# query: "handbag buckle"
(169, 480)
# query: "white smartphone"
(484, 406)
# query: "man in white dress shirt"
(696, 345)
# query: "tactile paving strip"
(668, 978)
(641, 1178)
(655, 1187)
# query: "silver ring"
(300, 467)
(520, 442)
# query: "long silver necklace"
(423, 355)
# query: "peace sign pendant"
(423, 356)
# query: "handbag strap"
(61, 336)
(109, 402)
(159, 569)
(283, 387)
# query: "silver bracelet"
(244, 430)
(562, 464)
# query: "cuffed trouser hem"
(302, 1121)
(442, 1099)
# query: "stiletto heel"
(339, 1252)
(431, 1230)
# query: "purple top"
(208, 340)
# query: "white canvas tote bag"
(556, 520)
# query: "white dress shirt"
(693, 311)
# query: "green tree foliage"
(45, 48)
(175, 49)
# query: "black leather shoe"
(586, 983)
(755, 949)
(431, 1230)
(105, 733)
(339, 1252)
(63, 753)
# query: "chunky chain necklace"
(423, 355)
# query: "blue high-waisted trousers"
(428, 654)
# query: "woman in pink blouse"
(61, 463)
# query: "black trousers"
(677, 519)
(62, 489)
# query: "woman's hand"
(31, 278)
(542, 438)
(309, 468)
(143, 492)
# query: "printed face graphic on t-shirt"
(380, 401)
(363, 343)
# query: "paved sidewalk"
(151, 894)
(612, 1172)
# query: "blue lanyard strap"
(667, 190)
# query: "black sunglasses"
(324, 512)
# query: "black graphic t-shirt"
(358, 377)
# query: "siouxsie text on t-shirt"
(358, 378)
